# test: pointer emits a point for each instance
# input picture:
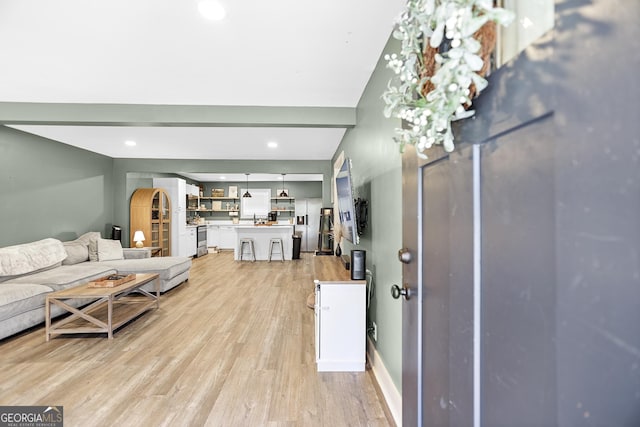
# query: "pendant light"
(283, 193)
(246, 193)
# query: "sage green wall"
(377, 177)
(142, 170)
(48, 189)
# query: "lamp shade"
(246, 193)
(138, 237)
(283, 193)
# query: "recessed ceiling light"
(272, 144)
(130, 143)
(222, 178)
(211, 9)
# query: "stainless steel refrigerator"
(307, 223)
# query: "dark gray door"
(437, 316)
(434, 267)
(554, 240)
(479, 323)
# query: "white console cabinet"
(340, 325)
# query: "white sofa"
(31, 270)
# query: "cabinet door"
(213, 235)
(341, 335)
(166, 224)
(316, 311)
(192, 241)
(227, 238)
(192, 190)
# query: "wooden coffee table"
(113, 307)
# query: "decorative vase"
(338, 250)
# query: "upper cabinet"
(193, 190)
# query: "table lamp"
(138, 237)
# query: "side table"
(155, 250)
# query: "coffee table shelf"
(112, 308)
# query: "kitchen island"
(261, 235)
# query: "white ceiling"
(198, 142)
(294, 53)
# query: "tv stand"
(346, 261)
(340, 318)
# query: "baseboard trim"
(388, 388)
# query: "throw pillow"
(109, 250)
(90, 239)
(77, 252)
(30, 257)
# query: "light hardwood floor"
(233, 346)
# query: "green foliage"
(428, 23)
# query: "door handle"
(397, 292)
(404, 256)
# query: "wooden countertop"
(329, 268)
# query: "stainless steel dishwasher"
(201, 248)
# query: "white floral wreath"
(429, 115)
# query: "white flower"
(431, 114)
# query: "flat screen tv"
(346, 210)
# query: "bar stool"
(272, 243)
(249, 242)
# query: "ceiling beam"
(28, 113)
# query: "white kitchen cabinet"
(227, 236)
(192, 190)
(191, 241)
(340, 325)
(213, 236)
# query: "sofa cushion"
(136, 253)
(109, 250)
(30, 257)
(19, 298)
(91, 239)
(166, 267)
(77, 252)
(66, 276)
